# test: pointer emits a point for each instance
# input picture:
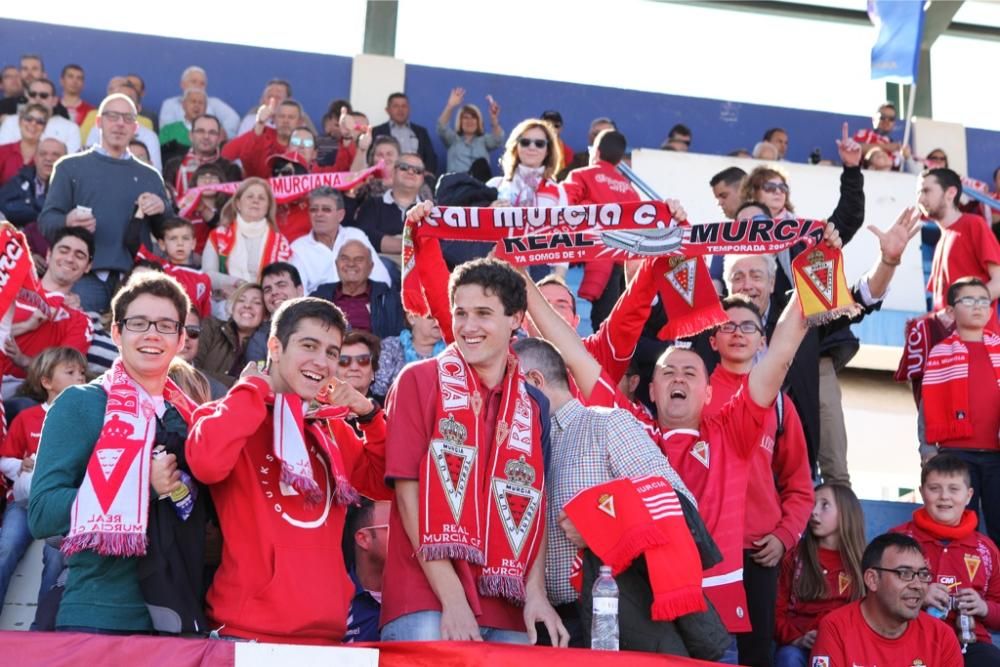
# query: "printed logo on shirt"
(947, 580)
(606, 503)
(740, 613)
(821, 661)
(843, 582)
(701, 452)
(972, 563)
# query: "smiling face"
(278, 288)
(147, 354)
(303, 366)
(750, 277)
(824, 519)
(680, 388)
(899, 600)
(248, 310)
(354, 263)
(67, 261)
(773, 194)
(482, 330)
(254, 203)
(469, 123)
(32, 124)
(946, 497)
(740, 346)
(533, 155)
(325, 216)
(359, 372)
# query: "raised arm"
(892, 242)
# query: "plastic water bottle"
(604, 624)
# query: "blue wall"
(237, 74)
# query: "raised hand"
(849, 149)
(266, 111)
(892, 242)
(494, 108)
(455, 97)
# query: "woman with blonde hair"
(468, 142)
(531, 159)
(222, 343)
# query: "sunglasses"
(527, 143)
(412, 168)
(774, 187)
(35, 119)
(42, 96)
(299, 141)
(192, 332)
(364, 360)
(892, 118)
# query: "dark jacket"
(18, 200)
(218, 350)
(384, 304)
(425, 150)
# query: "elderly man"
(172, 110)
(255, 147)
(381, 218)
(314, 254)
(194, 101)
(204, 138)
(43, 91)
(144, 128)
(368, 305)
(103, 190)
(22, 198)
(412, 138)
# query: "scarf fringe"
(827, 316)
(307, 487)
(502, 586)
(452, 552)
(118, 545)
(632, 545)
(345, 494)
(699, 320)
(677, 603)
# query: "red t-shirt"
(253, 150)
(412, 406)
(794, 617)
(846, 640)
(197, 285)
(984, 402)
(68, 327)
(79, 113)
(23, 436)
(966, 248)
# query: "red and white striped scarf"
(946, 387)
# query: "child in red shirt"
(820, 574)
(176, 239)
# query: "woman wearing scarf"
(422, 340)
(112, 477)
(530, 162)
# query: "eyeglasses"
(774, 187)
(364, 360)
(322, 209)
(892, 118)
(412, 168)
(42, 96)
(936, 158)
(299, 141)
(192, 331)
(746, 327)
(118, 117)
(40, 122)
(973, 301)
(907, 575)
(527, 143)
(141, 324)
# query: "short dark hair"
(285, 320)
(154, 284)
(210, 168)
(679, 128)
(951, 296)
(946, 464)
(774, 130)
(743, 301)
(77, 232)
(495, 277)
(611, 146)
(68, 67)
(873, 552)
(358, 516)
(147, 264)
(947, 178)
(369, 340)
(556, 279)
(280, 82)
(173, 222)
(540, 355)
(142, 81)
(277, 268)
(729, 176)
(326, 192)
(289, 102)
(47, 82)
(395, 96)
(887, 105)
(306, 128)
(139, 142)
(209, 116)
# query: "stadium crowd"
(222, 420)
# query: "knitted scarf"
(500, 529)
(966, 525)
(224, 238)
(946, 387)
(626, 518)
(111, 511)
(185, 171)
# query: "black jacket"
(424, 149)
(384, 304)
(18, 200)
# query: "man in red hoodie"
(282, 483)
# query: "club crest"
(453, 459)
(820, 273)
(682, 277)
(517, 502)
(700, 450)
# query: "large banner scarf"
(18, 280)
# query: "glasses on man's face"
(973, 301)
(363, 360)
(885, 118)
(118, 117)
(937, 158)
(906, 574)
(527, 143)
(747, 327)
(302, 142)
(192, 331)
(33, 94)
(321, 209)
(412, 168)
(774, 187)
(140, 324)
(36, 120)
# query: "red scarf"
(946, 387)
(497, 522)
(966, 526)
(626, 518)
(223, 237)
(185, 172)
(822, 286)
(688, 296)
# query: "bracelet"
(370, 415)
(888, 263)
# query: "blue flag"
(900, 25)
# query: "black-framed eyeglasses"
(42, 96)
(973, 301)
(140, 324)
(412, 168)
(747, 327)
(907, 575)
(116, 116)
(192, 331)
(527, 143)
(774, 187)
(364, 360)
(892, 118)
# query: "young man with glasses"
(887, 626)
(381, 218)
(59, 126)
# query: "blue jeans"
(15, 538)
(425, 626)
(791, 656)
(731, 656)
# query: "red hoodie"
(282, 577)
(253, 150)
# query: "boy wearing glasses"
(965, 563)
(887, 626)
(961, 396)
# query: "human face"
(880, 161)
(680, 389)
(12, 85)
(31, 69)
(194, 104)
(194, 79)
(32, 124)
(749, 277)
(409, 172)
(325, 216)
(482, 330)
(971, 316)
(42, 93)
(190, 349)
(354, 263)
(946, 497)
(597, 129)
(286, 119)
(278, 288)
(248, 310)
(137, 84)
(67, 260)
(376, 542)
(118, 125)
(205, 136)
(309, 360)
(178, 244)
(773, 194)
(254, 203)
(147, 355)
(65, 374)
(357, 374)
(825, 516)
(424, 328)
(388, 154)
(562, 301)
(276, 92)
(780, 141)
(739, 347)
(680, 143)
(728, 197)
(935, 160)
(398, 110)
(933, 200)
(140, 153)
(49, 151)
(72, 81)
(302, 142)
(469, 123)
(532, 155)
(898, 599)
(886, 120)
